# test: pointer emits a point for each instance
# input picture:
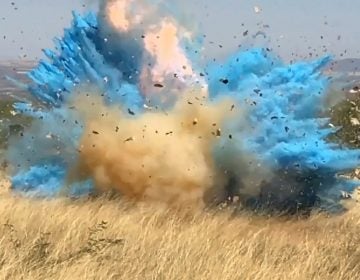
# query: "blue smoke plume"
(279, 147)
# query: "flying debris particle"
(49, 136)
(131, 112)
(260, 33)
(195, 121)
(116, 129)
(257, 9)
(148, 107)
(287, 129)
(345, 195)
(169, 133)
(95, 132)
(224, 81)
(230, 136)
(129, 139)
(246, 33)
(218, 132)
(232, 107)
(274, 118)
(158, 85)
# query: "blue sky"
(294, 25)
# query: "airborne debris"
(224, 81)
(218, 132)
(148, 107)
(195, 121)
(129, 139)
(50, 136)
(345, 195)
(158, 85)
(95, 132)
(257, 9)
(131, 112)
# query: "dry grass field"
(106, 238)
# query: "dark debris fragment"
(224, 81)
(131, 112)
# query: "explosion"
(163, 156)
(128, 107)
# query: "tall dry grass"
(107, 238)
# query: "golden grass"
(107, 238)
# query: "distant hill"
(346, 66)
(16, 70)
(348, 69)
